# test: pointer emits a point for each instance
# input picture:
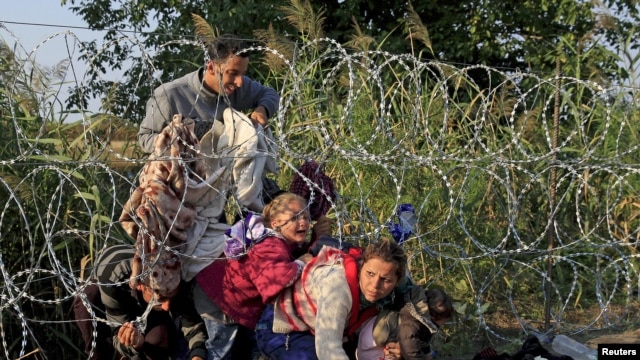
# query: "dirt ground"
(456, 347)
(628, 337)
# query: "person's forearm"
(270, 102)
(156, 118)
(146, 141)
(264, 96)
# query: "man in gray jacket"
(205, 93)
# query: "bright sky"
(33, 22)
(37, 20)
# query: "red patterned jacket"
(242, 287)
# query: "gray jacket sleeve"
(158, 115)
(259, 94)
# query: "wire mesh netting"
(525, 187)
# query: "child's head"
(288, 214)
(432, 307)
(440, 305)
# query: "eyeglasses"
(301, 216)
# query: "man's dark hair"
(226, 45)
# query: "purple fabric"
(406, 221)
(243, 234)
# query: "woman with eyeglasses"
(231, 293)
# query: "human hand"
(392, 351)
(321, 227)
(259, 116)
(305, 258)
(128, 335)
